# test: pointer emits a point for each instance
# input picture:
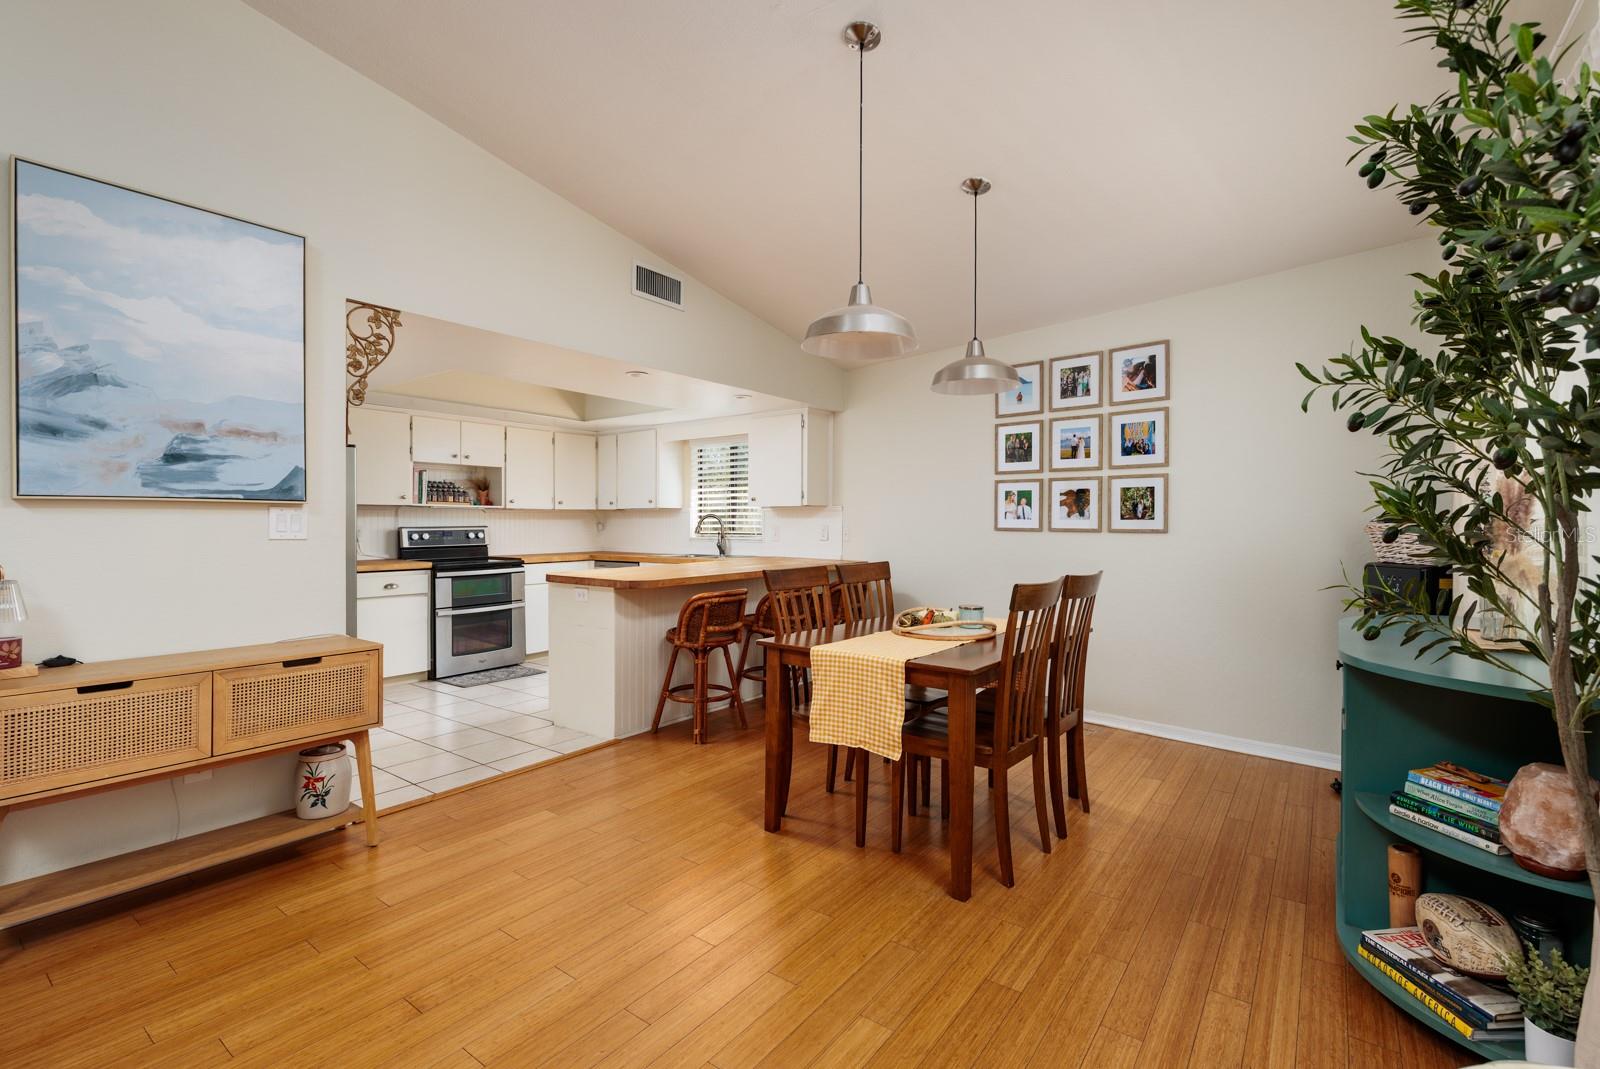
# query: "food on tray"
(925, 615)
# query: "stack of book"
(1471, 1007)
(1453, 801)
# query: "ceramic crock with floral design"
(322, 782)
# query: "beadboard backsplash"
(510, 530)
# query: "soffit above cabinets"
(452, 368)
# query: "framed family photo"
(1138, 374)
(1138, 503)
(1140, 439)
(1075, 381)
(1016, 505)
(1016, 447)
(1075, 504)
(1025, 400)
(1076, 442)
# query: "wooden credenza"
(94, 727)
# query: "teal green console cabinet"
(1402, 713)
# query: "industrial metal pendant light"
(975, 372)
(860, 330)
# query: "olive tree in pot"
(1505, 390)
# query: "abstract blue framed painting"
(159, 348)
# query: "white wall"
(208, 102)
(1221, 625)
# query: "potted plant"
(1492, 424)
(1552, 996)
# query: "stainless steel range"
(479, 620)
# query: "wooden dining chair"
(802, 601)
(1064, 702)
(868, 598)
(1009, 731)
(706, 623)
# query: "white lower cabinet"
(392, 608)
(537, 598)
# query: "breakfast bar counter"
(608, 648)
(686, 571)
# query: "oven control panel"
(442, 537)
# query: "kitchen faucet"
(722, 532)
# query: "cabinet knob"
(452, 456)
(466, 456)
(391, 586)
(403, 497)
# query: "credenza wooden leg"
(369, 797)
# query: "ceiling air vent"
(652, 285)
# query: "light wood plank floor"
(624, 908)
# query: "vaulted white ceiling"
(1137, 149)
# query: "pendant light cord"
(974, 266)
(861, 161)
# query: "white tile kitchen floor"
(436, 737)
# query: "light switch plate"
(824, 535)
(286, 523)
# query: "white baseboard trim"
(1293, 754)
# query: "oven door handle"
(482, 608)
(485, 571)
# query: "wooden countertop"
(602, 554)
(696, 572)
(390, 565)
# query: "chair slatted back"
(712, 618)
(1074, 621)
(868, 593)
(1030, 627)
(802, 602)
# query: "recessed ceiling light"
(636, 374)
(741, 397)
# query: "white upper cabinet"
(645, 478)
(605, 474)
(435, 441)
(574, 471)
(790, 459)
(483, 445)
(530, 469)
(383, 456)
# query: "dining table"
(960, 671)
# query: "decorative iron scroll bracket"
(369, 339)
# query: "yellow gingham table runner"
(858, 688)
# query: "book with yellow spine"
(1439, 1009)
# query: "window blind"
(721, 474)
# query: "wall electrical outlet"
(581, 594)
(285, 523)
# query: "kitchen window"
(720, 474)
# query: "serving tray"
(971, 632)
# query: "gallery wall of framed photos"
(1077, 442)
